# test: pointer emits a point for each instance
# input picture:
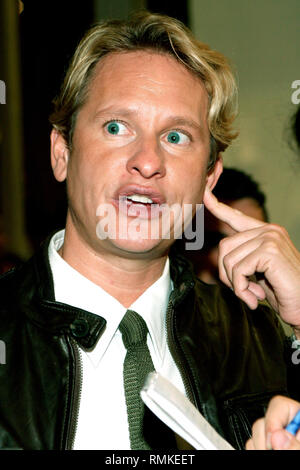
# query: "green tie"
(137, 365)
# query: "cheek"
(190, 175)
(195, 185)
(81, 181)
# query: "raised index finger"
(233, 217)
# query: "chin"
(140, 247)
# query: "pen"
(294, 425)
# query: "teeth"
(139, 198)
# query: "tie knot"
(133, 328)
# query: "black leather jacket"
(231, 359)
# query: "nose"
(147, 160)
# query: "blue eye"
(116, 128)
(173, 137)
(176, 137)
(113, 128)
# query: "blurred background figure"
(239, 190)
(296, 128)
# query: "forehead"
(145, 60)
(150, 76)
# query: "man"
(142, 116)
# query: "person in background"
(240, 191)
(295, 128)
(269, 432)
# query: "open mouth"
(138, 198)
(139, 202)
(137, 205)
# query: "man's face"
(141, 143)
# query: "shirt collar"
(73, 288)
(152, 306)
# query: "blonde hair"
(161, 34)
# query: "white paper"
(177, 412)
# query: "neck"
(124, 278)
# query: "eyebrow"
(113, 112)
(183, 121)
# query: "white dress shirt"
(102, 420)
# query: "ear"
(59, 155)
(214, 174)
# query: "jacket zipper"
(177, 353)
(75, 398)
(77, 381)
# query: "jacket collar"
(36, 295)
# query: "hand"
(269, 433)
(260, 249)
